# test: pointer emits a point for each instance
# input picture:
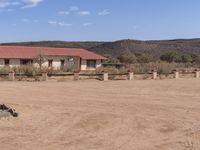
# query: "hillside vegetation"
(154, 49)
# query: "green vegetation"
(140, 56)
(145, 68)
(184, 58)
(29, 70)
(127, 58)
(155, 49)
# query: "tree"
(186, 58)
(170, 57)
(111, 59)
(195, 58)
(144, 58)
(40, 60)
(128, 58)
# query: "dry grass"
(93, 115)
(29, 70)
(162, 67)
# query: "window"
(7, 62)
(62, 63)
(50, 63)
(26, 61)
(91, 63)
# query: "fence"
(103, 77)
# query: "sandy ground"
(95, 115)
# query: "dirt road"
(94, 115)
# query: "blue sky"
(102, 20)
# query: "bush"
(140, 68)
(111, 59)
(161, 67)
(29, 70)
(186, 58)
(128, 58)
(175, 57)
(5, 70)
(195, 58)
(144, 58)
(165, 68)
(170, 57)
(51, 70)
(110, 70)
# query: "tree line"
(170, 57)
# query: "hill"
(58, 44)
(115, 49)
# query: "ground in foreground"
(94, 115)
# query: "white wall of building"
(13, 62)
(98, 63)
(84, 65)
(70, 62)
(2, 63)
(57, 63)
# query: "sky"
(98, 20)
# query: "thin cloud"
(25, 20)
(104, 12)
(21, 3)
(10, 10)
(63, 12)
(61, 24)
(52, 22)
(31, 3)
(83, 13)
(74, 8)
(30, 21)
(71, 10)
(8, 3)
(87, 24)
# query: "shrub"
(170, 57)
(111, 59)
(128, 58)
(165, 68)
(26, 69)
(29, 70)
(140, 68)
(186, 58)
(161, 67)
(144, 58)
(5, 70)
(110, 70)
(195, 58)
(51, 70)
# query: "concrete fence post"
(197, 74)
(11, 76)
(76, 76)
(155, 74)
(130, 76)
(105, 76)
(176, 74)
(44, 76)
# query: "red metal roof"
(23, 52)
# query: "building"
(75, 59)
